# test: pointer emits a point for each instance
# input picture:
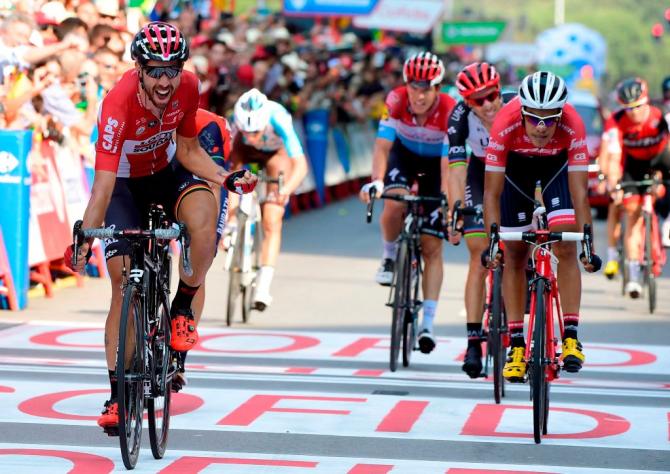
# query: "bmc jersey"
(641, 141)
(214, 136)
(279, 133)
(132, 141)
(466, 127)
(429, 139)
(508, 136)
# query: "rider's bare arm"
(197, 161)
(578, 183)
(456, 183)
(493, 188)
(444, 175)
(298, 173)
(101, 194)
(380, 156)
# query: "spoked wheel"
(545, 422)
(649, 277)
(130, 376)
(408, 338)
(235, 294)
(249, 287)
(538, 380)
(623, 264)
(158, 407)
(400, 298)
(496, 347)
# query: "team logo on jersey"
(140, 130)
(175, 104)
(385, 113)
(108, 135)
(574, 143)
(153, 142)
(491, 158)
(580, 157)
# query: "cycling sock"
(612, 254)
(184, 296)
(516, 334)
(182, 357)
(429, 307)
(570, 323)
(474, 334)
(112, 384)
(390, 249)
(634, 271)
(264, 279)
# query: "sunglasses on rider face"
(156, 72)
(492, 97)
(537, 120)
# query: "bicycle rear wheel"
(496, 347)
(400, 299)
(235, 295)
(537, 376)
(623, 263)
(162, 371)
(130, 375)
(649, 277)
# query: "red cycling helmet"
(423, 67)
(476, 77)
(158, 41)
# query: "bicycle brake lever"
(373, 196)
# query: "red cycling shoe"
(109, 419)
(184, 333)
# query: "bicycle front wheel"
(649, 277)
(255, 258)
(623, 257)
(400, 301)
(496, 346)
(235, 296)
(130, 375)
(162, 371)
(538, 380)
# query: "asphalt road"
(305, 386)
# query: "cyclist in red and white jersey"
(147, 120)
(412, 145)
(539, 140)
(638, 146)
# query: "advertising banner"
(15, 196)
(328, 7)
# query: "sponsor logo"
(494, 145)
(491, 158)
(435, 215)
(393, 174)
(110, 253)
(140, 130)
(451, 130)
(108, 135)
(580, 157)
(8, 162)
(574, 143)
(457, 149)
(643, 142)
(508, 130)
(457, 113)
(555, 201)
(153, 142)
(175, 104)
(136, 274)
(521, 216)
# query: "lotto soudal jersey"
(508, 137)
(132, 141)
(399, 122)
(641, 141)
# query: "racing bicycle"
(145, 364)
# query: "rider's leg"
(632, 237)
(114, 268)
(514, 286)
(613, 231)
(474, 304)
(431, 251)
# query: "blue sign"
(15, 196)
(316, 132)
(328, 7)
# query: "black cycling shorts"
(523, 175)
(406, 167)
(638, 170)
(132, 198)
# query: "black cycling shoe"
(472, 363)
(426, 341)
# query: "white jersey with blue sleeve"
(279, 133)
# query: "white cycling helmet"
(252, 113)
(543, 90)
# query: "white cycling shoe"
(262, 300)
(665, 232)
(634, 289)
(384, 275)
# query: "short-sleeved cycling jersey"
(132, 141)
(508, 136)
(427, 140)
(640, 141)
(526, 166)
(279, 133)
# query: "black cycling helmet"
(159, 41)
(665, 85)
(632, 92)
